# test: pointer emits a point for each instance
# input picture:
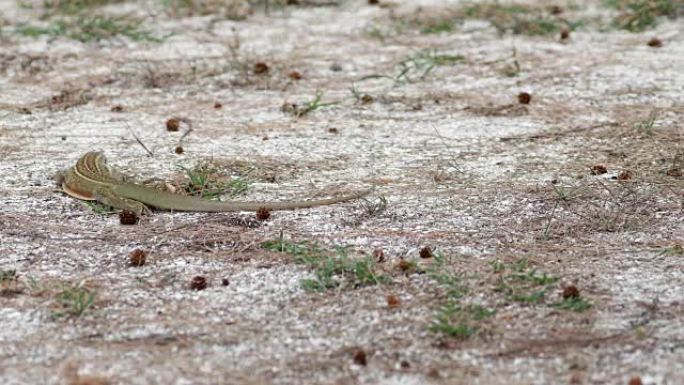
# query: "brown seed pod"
(598, 169)
(564, 34)
(675, 172)
(261, 68)
(625, 175)
(360, 357)
(426, 252)
(172, 124)
(263, 214)
(128, 217)
(655, 42)
(524, 98)
(198, 283)
(137, 257)
(571, 292)
(379, 255)
(404, 265)
(393, 301)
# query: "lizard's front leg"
(59, 177)
(106, 196)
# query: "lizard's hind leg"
(107, 197)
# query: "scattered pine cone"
(598, 169)
(524, 98)
(571, 292)
(360, 357)
(426, 252)
(263, 214)
(128, 217)
(261, 68)
(137, 257)
(172, 124)
(198, 283)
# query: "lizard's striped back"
(89, 174)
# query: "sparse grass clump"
(645, 126)
(72, 7)
(331, 269)
(229, 9)
(416, 67)
(576, 304)
(519, 19)
(73, 301)
(519, 283)
(204, 181)
(527, 286)
(90, 28)
(98, 208)
(307, 107)
(454, 318)
(640, 15)
(7, 276)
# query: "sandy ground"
(465, 169)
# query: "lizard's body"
(91, 179)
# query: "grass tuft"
(73, 301)
(576, 304)
(520, 283)
(331, 269)
(204, 181)
(640, 15)
(90, 28)
(417, 67)
(453, 318)
(308, 107)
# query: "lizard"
(91, 179)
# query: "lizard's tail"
(168, 201)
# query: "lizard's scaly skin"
(91, 179)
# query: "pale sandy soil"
(464, 168)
